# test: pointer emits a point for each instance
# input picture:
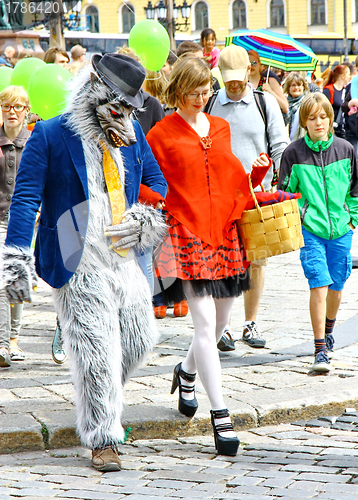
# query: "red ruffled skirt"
(185, 256)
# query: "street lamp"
(168, 15)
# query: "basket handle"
(255, 199)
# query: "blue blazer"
(52, 173)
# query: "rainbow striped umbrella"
(276, 49)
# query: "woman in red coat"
(207, 192)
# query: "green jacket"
(326, 175)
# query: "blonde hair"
(295, 77)
(188, 73)
(155, 84)
(14, 94)
(312, 104)
(127, 51)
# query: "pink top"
(213, 57)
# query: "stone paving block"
(209, 488)
(321, 478)
(44, 493)
(272, 473)
(282, 448)
(245, 489)
(195, 478)
(171, 484)
(29, 406)
(283, 494)
(277, 482)
(244, 481)
(133, 489)
(251, 466)
(20, 432)
(68, 471)
(61, 426)
(125, 482)
(35, 392)
(145, 497)
(90, 495)
(310, 468)
(340, 452)
(34, 484)
(336, 462)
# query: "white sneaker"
(252, 335)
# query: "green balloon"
(5, 76)
(23, 70)
(48, 90)
(150, 41)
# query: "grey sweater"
(248, 137)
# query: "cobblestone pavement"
(261, 386)
(274, 462)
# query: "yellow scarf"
(115, 193)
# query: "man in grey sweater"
(236, 104)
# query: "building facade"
(296, 17)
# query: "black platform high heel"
(187, 407)
(224, 445)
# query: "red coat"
(207, 189)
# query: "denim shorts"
(326, 262)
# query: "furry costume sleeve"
(18, 273)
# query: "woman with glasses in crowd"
(15, 108)
(207, 192)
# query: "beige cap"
(233, 63)
(77, 51)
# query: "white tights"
(210, 316)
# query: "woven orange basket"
(270, 230)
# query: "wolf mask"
(103, 102)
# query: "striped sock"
(330, 325)
(319, 345)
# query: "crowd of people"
(215, 121)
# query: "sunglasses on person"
(18, 108)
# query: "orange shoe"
(160, 312)
(181, 309)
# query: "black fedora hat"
(123, 75)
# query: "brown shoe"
(106, 459)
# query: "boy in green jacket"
(323, 168)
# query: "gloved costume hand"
(141, 226)
(18, 274)
(129, 231)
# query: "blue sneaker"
(321, 362)
(329, 341)
(58, 351)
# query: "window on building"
(201, 16)
(239, 14)
(318, 12)
(92, 19)
(356, 7)
(277, 13)
(128, 18)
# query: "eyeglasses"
(18, 108)
(193, 96)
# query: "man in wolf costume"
(102, 297)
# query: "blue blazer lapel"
(75, 149)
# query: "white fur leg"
(105, 338)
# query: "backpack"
(331, 92)
(261, 105)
